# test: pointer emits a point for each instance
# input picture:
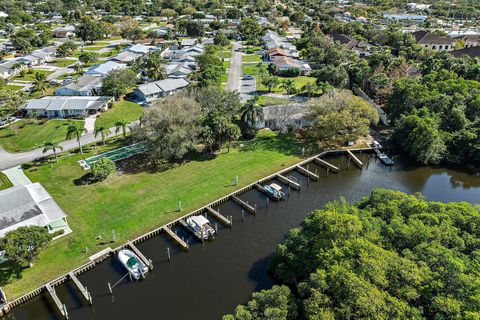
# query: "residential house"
(179, 69)
(470, 40)
(86, 85)
(152, 91)
(31, 205)
(361, 48)
(64, 32)
(473, 52)
(103, 69)
(126, 57)
(433, 41)
(188, 43)
(65, 107)
(11, 68)
(417, 18)
(140, 48)
(281, 117)
(284, 64)
(37, 57)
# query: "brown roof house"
(434, 42)
(361, 48)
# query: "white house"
(152, 91)
(103, 69)
(86, 85)
(31, 205)
(64, 107)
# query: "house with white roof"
(140, 48)
(31, 205)
(152, 91)
(126, 57)
(103, 69)
(179, 69)
(11, 68)
(86, 85)
(67, 106)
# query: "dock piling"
(176, 238)
(307, 173)
(219, 217)
(357, 161)
(168, 253)
(243, 204)
(326, 164)
(290, 182)
(83, 290)
(140, 255)
(61, 307)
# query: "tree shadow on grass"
(9, 271)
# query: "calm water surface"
(212, 278)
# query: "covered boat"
(385, 159)
(200, 227)
(132, 263)
(274, 191)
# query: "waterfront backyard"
(137, 200)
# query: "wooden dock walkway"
(176, 238)
(355, 159)
(308, 173)
(326, 164)
(81, 288)
(61, 307)
(147, 262)
(289, 182)
(243, 204)
(219, 217)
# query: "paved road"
(9, 160)
(235, 71)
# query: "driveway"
(9, 160)
(90, 122)
(16, 176)
(235, 71)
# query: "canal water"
(213, 277)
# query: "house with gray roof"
(84, 86)
(179, 69)
(152, 91)
(126, 57)
(65, 107)
(31, 205)
(103, 69)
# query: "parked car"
(248, 77)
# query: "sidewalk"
(16, 176)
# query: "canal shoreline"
(90, 265)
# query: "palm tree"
(78, 69)
(154, 67)
(233, 133)
(251, 112)
(310, 89)
(103, 131)
(40, 82)
(270, 82)
(325, 87)
(121, 125)
(76, 131)
(54, 146)
(288, 85)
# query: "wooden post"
(328, 170)
(110, 288)
(348, 164)
(216, 227)
(168, 253)
(243, 215)
(180, 205)
(113, 236)
(267, 201)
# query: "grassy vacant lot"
(251, 58)
(136, 202)
(126, 110)
(4, 182)
(265, 101)
(24, 135)
(30, 76)
(63, 62)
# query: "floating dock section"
(81, 288)
(140, 255)
(176, 238)
(355, 159)
(61, 307)
(308, 173)
(295, 185)
(326, 164)
(219, 217)
(243, 204)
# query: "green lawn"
(30, 76)
(11, 87)
(251, 58)
(134, 203)
(24, 135)
(93, 48)
(225, 54)
(265, 101)
(63, 62)
(251, 49)
(126, 110)
(4, 182)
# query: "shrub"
(103, 168)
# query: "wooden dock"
(289, 182)
(355, 159)
(219, 217)
(308, 173)
(326, 164)
(176, 238)
(83, 290)
(243, 204)
(147, 262)
(61, 307)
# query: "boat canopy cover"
(276, 186)
(199, 220)
(132, 261)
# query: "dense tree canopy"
(389, 256)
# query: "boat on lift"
(274, 191)
(200, 227)
(132, 263)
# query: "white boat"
(132, 263)
(274, 191)
(200, 227)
